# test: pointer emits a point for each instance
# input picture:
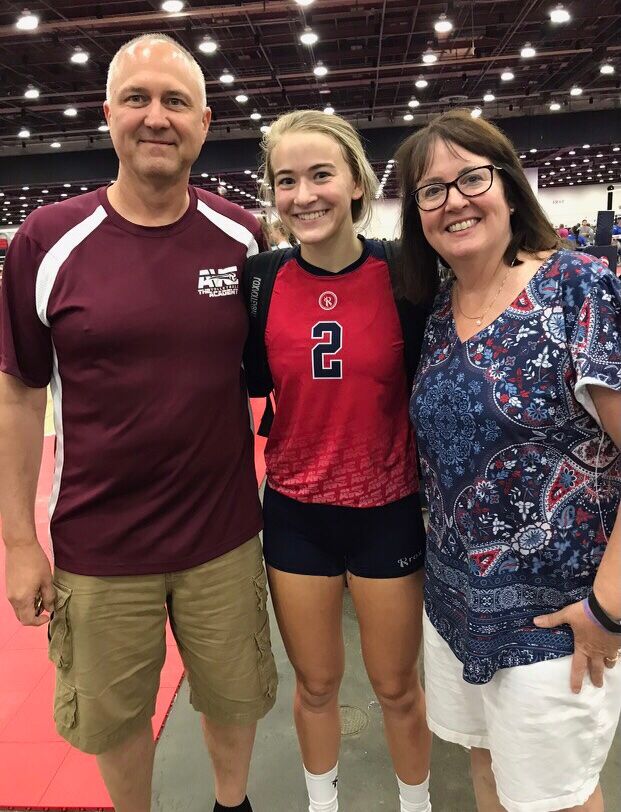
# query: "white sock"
(323, 790)
(414, 797)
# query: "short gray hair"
(192, 63)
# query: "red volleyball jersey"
(341, 433)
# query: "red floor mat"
(38, 770)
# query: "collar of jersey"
(149, 231)
(366, 250)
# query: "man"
(127, 301)
(586, 231)
(562, 232)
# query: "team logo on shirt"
(215, 282)
(328, 300)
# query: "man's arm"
(28, 573)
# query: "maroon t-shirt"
(140, 333)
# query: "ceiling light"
(555, 106)
(408, 117)
(84, 188)
(443, 25)
(31, 93)
(207, 45)
(527, 51)
(265, 129)
(421, 82)
(241, 98)
(255, 115)
(45, 191)
(25, 188)
(558, 158)
(600, 155)
(227, 77)
(559, 14)
(489, 96)
(27, 22)
(585, 160)
(70, 112)
(55, 144)
(67, 185)
(476, 112)
(606, 68)
(304, 3)
(616, 149)
(572, 152)
(429, 57)
(320, 69)
(63, 194)
(533, 149)
(507, 75)
(329, 110)
(308, 36)
(23, 133)
(585, 146)
(522, 156)
(103, 128)
(575, 91)
(213, 179)
(172, 6)
(79, 57)
(413, 103)
(547, 163)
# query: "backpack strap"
(259, 276)
(411, 316)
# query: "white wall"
(385, 220)
(571, 204)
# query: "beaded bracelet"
(596, 614)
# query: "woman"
(517, 408)
(341, 499)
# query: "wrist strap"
(597, 614)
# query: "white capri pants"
(548, 745)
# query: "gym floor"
(182, 783)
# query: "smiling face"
(464, 227)
(313, 187)
(155, 112)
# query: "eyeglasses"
(472, 183)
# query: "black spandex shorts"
(314, 539)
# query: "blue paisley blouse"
(523, 485)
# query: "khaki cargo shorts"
(107, 640)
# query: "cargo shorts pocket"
(60, 650)
(65, 705)
(266, 664)
(260, 588)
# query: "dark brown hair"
(531, 230)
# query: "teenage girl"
(341, 499)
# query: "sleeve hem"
(583, 396)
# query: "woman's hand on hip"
(595, 649)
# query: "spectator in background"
(279, 236)
(577, 237)
(562, 232)
(587, 232)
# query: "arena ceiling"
(374, 52)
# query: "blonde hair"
(345, 136)
(195, 68)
